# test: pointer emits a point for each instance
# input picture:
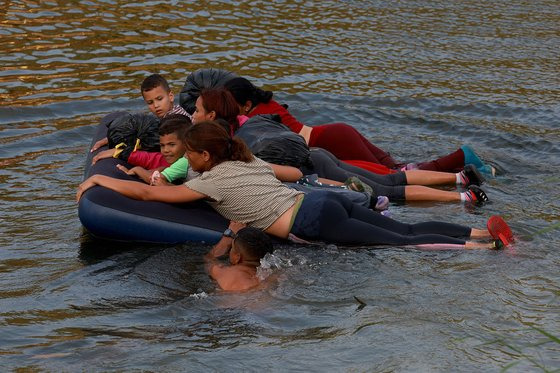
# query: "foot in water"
(500, 232)
(380, 203)
(472, 158)
(475, 196)
(471, 176)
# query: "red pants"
(346, 143)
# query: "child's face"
(171, 147)
(159, 101)
(200, 114)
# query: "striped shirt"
(178, 109)
(245, 192)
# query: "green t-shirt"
(177, 170)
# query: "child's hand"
(99, 144)
(126, 170)
(155, 178)
(104, 154)
(160, 181)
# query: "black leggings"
(326, 165)
(331, 217)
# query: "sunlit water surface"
(419, 78)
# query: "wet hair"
(175, 123)
(243, 90)
(253, 243)
(221, 102)
(212, 137)
(154, 81)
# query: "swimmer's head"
(250, 245)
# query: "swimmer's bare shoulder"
(234, 278)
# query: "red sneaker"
(499, 230)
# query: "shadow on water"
(94, 249)
(179, 268)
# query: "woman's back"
(247, 192)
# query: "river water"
(419, 78)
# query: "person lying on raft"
(171, 160)
(159, 98)
(246, 246)
(412, 185)
(246, 189)
(174, 166)
(341, 139)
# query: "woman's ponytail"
(212, 137)
(262, 96)
(240, 151)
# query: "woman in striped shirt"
(246, 189)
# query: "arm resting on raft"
(135, 190)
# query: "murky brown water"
(419, 78)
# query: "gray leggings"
(326, 165)
(361, 198)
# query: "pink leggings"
(346, 143)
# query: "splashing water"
(279, 259)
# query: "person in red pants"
(341, 139)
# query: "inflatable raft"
(109, 215)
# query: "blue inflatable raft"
(109, 215)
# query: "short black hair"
(154, 81)
(175, 123)
(253, 243)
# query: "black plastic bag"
(129, 129)
(199, 80)
(273, 142)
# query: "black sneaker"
(472, 176)
(476, 196)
